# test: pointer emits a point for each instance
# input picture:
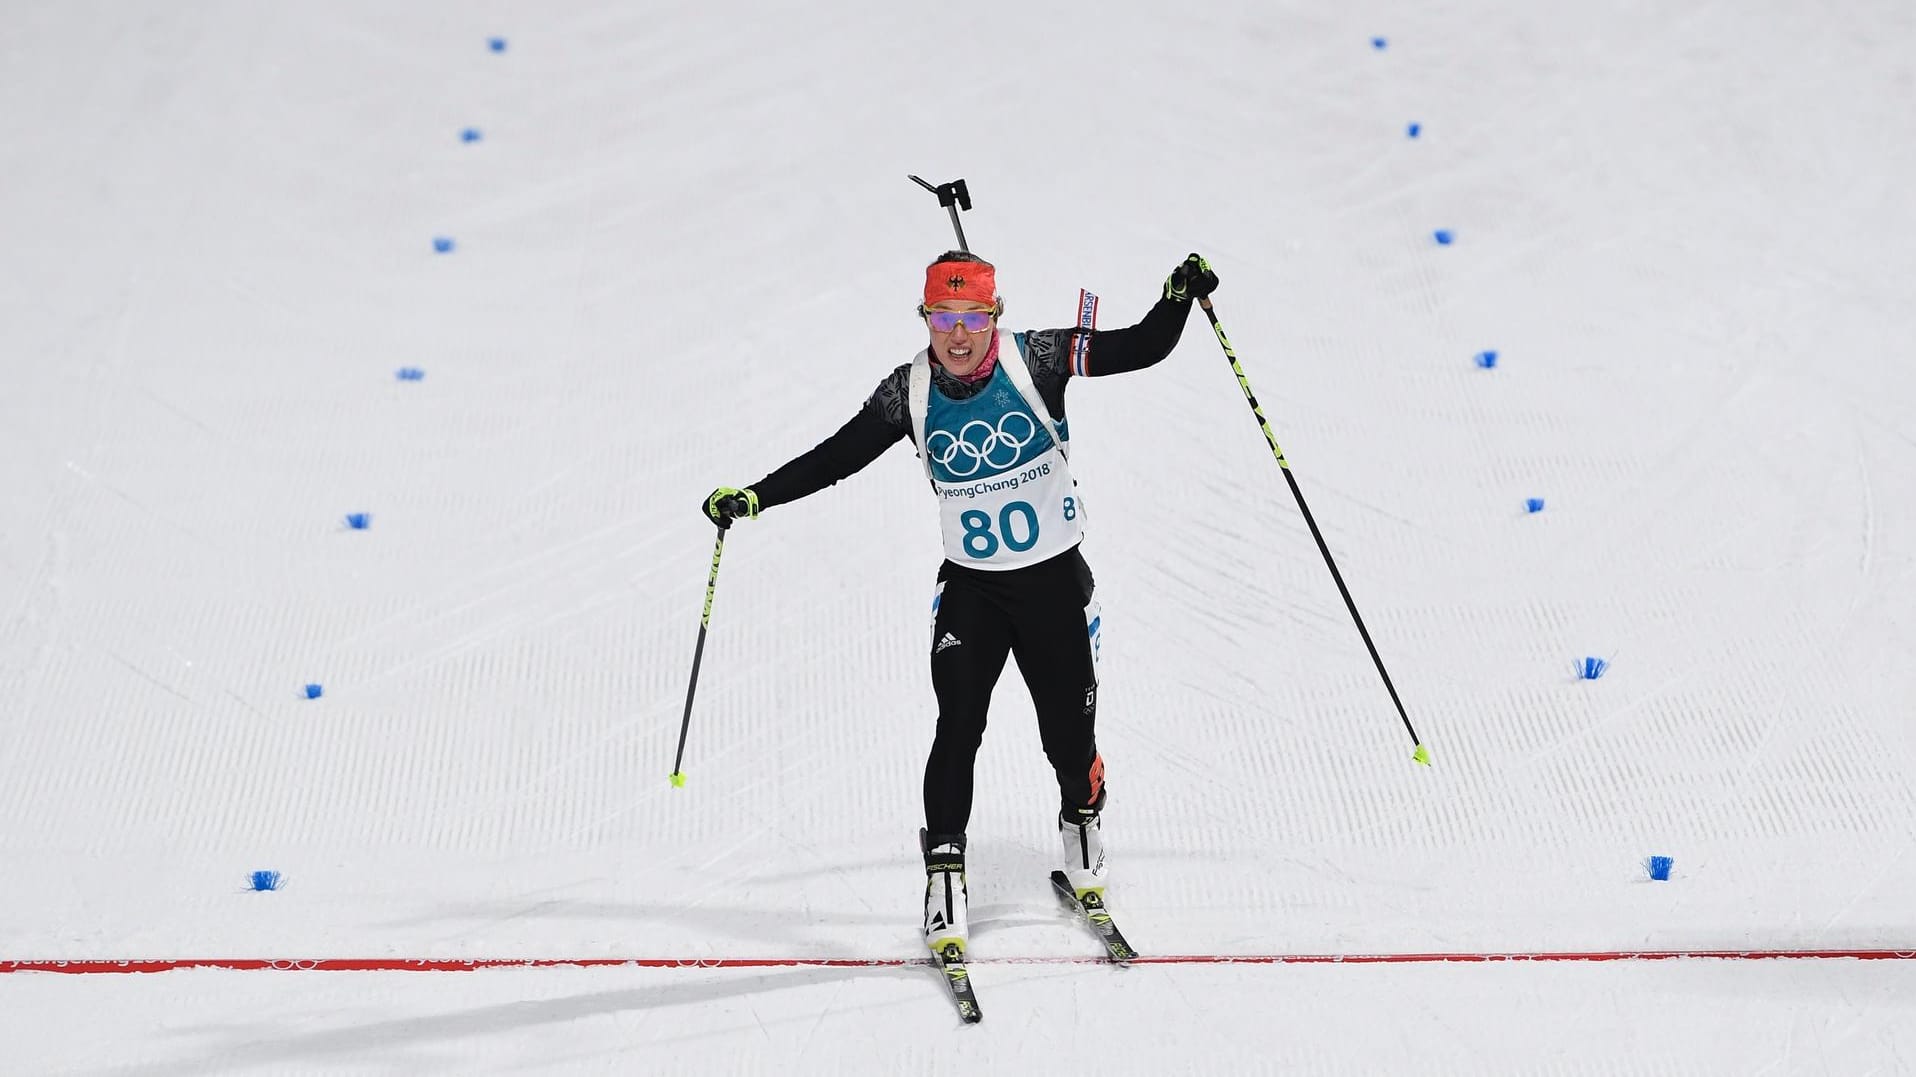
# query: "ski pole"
(952, 196)
(1421, 754)
(698, 653)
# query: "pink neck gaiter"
(985, 368)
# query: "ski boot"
(945, 926)
(1083, 845)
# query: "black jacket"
(885, 416)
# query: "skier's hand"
(725, 504)
(1192, 279)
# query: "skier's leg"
(970, 638)
(1057, 624)
(1056, 647)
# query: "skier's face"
(960, 350)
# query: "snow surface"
(685, 250)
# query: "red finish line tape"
(396, 964)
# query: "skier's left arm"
(1120, 351)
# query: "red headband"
(947, 282)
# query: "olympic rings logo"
(979, 443)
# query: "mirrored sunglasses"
(944, 321)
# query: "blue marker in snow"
(1414, 130)
(1659, 868)
(496, 44)
(359, 521)
(1533, 504)
(442, 244)
(1378, 43)
(470, 134)
(314, 691)
(1593, 668)
(1487, 359)
(265, 880)
(1443, 236)
(410, 373)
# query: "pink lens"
(974, 321)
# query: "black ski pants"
(1046, 616)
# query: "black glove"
(1192, 279)
(725, 504)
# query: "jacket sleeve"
(1119, 351)
(879, 423)
(1048, 352)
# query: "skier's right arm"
(879, 423)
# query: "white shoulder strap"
(918, 398)
(1020, 376)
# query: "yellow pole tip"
(678, 779)
(1421, 755)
